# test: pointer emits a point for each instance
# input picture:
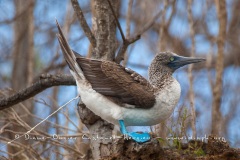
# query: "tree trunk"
(217, 90)
(104, 29)
(23, 50)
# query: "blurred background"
(29, 48)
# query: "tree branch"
(124, 46)
(127, 42)
(83, 23)
(45, 81)
(150, 23)
(116, 19)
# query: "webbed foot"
(138, 137)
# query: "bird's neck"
(160, 76)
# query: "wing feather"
(112, 80)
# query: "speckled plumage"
(160, 75)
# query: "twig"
(67, 117)
(83, 23)
(50, 68)
(116, 19)
(149, 23)
(129, 15)
(124, 46)
(127, 42)
(9, 142)
(46, 81)
(172, 14)
(162, 42)
(128, 29)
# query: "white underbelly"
(147, 117)
(101, 106)
(167, 99)
(111, 112)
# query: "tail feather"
(68, 54)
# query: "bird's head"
(165, 63)
(172, 61)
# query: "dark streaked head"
(165, 63)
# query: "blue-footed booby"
(122, 96)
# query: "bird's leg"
(138, 137)
(122, 127)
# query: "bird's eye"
(171, 59)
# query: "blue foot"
(138, 137)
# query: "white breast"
(166, 100)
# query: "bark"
(104, 29)
(22, 72)
(217, 90)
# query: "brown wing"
(113, 80)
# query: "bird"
(123, 97)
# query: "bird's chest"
(166, 100)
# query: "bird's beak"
(180, 61)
